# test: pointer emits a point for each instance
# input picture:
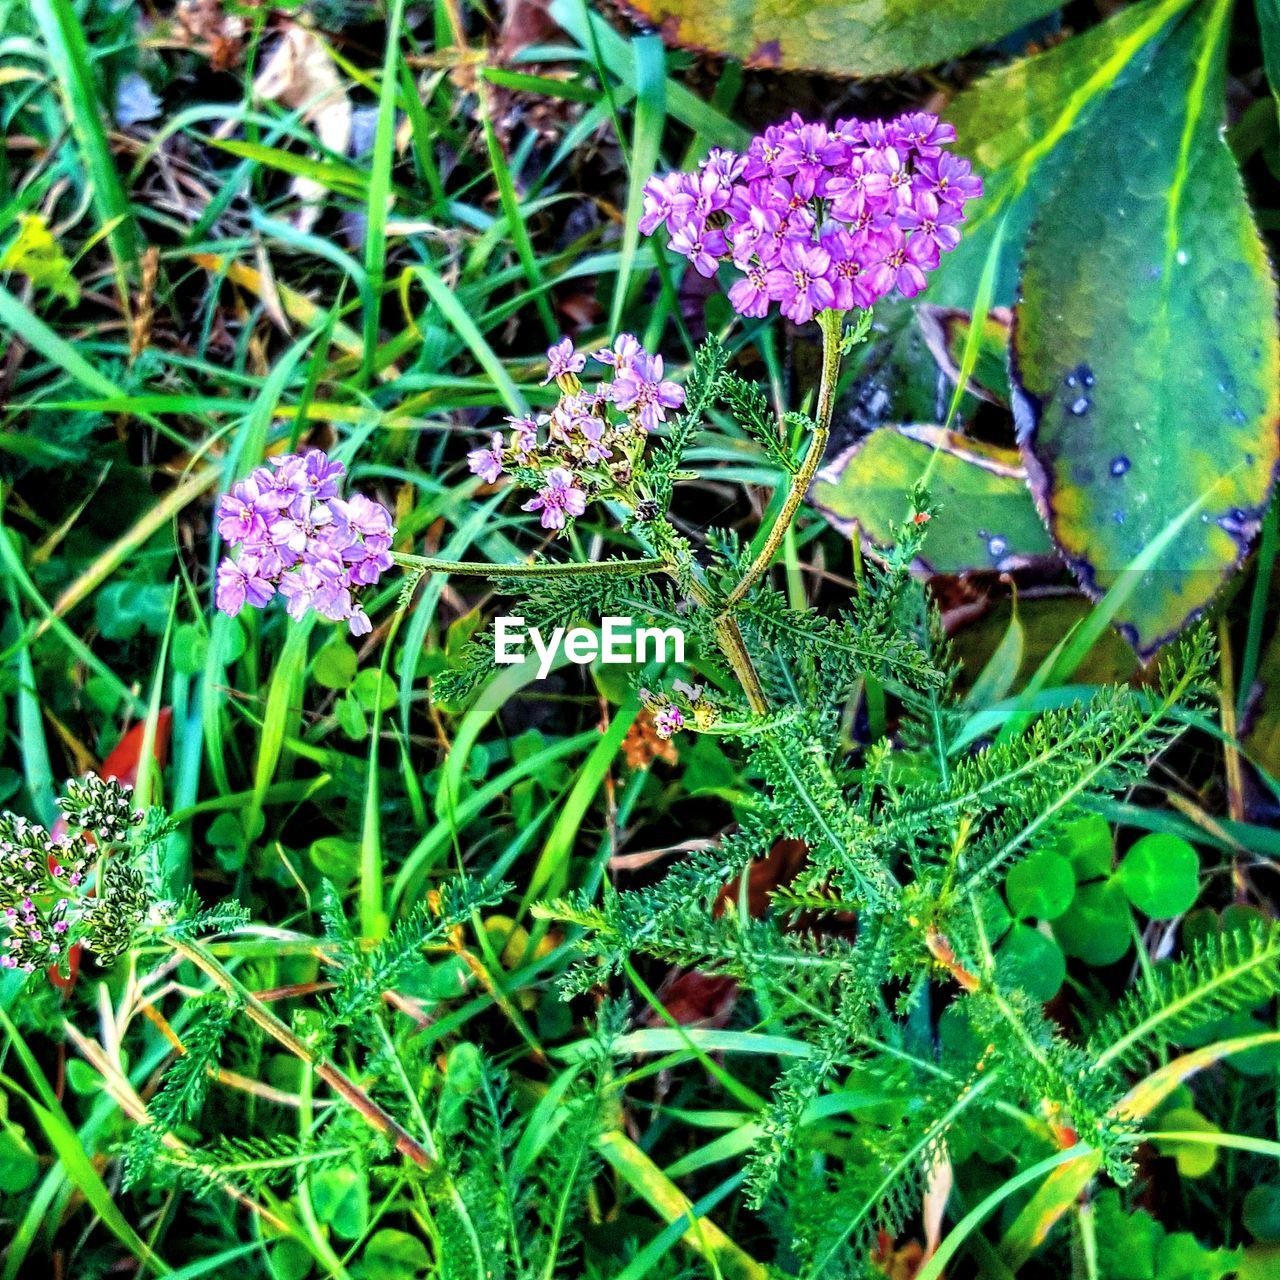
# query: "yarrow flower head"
(590, 444)
(298, 536)
(818, 217)
(46, 905)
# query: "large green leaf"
(1146, 368)
(1023, 124)
(986, 520)
(845, 38)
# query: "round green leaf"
(1088, 843)
(335, 665)
(1034, 961)
(340, 1198)
(374, 691)
(18, 1164)
(1041, 887)
(1261, 1061)
(289, 1261)
(1096, 927)
(350, 715)
(1261, 1211)
(190, 648)
(1195, 1159)
(336, 858)
(392, 1255)
(1160, 875)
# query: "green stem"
(344, 1086)
(831, 323)
(733, 646)
(568, 569)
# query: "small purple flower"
(800, 281)
(563, 360)
(750, 295)
(700, 195)
(948, 177)
(641, 391)
(932, 223)
(320, 475)
(558, 499)
(797, 184)
(240, 583)
(487, 463)
(361, 515)
(889, 180)
(926, 133)
(848, 273)
(668, 720)
(242, 514)
(657, 203)
(314, 547)
(902, 265)
(809, 148)
(619, 356)
(726, 165)
(758, 234)
(524, 438)
(703, 248)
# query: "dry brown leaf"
(301, 74)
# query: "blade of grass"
(384, 140)
(457, 315)
(650, 119)
(702, 1235)
(68, 51)
(71, 1153)
(551, 873)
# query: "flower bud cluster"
(685, 707)
(44, 890)
(591, 442)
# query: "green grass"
(468, 235)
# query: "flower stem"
(831, 323)
(733, 646)
(524, 569)
(343, 1085)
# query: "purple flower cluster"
(818, 217)
(590, 442)
(298, 536)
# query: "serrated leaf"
(986, 518)
(847, 38)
